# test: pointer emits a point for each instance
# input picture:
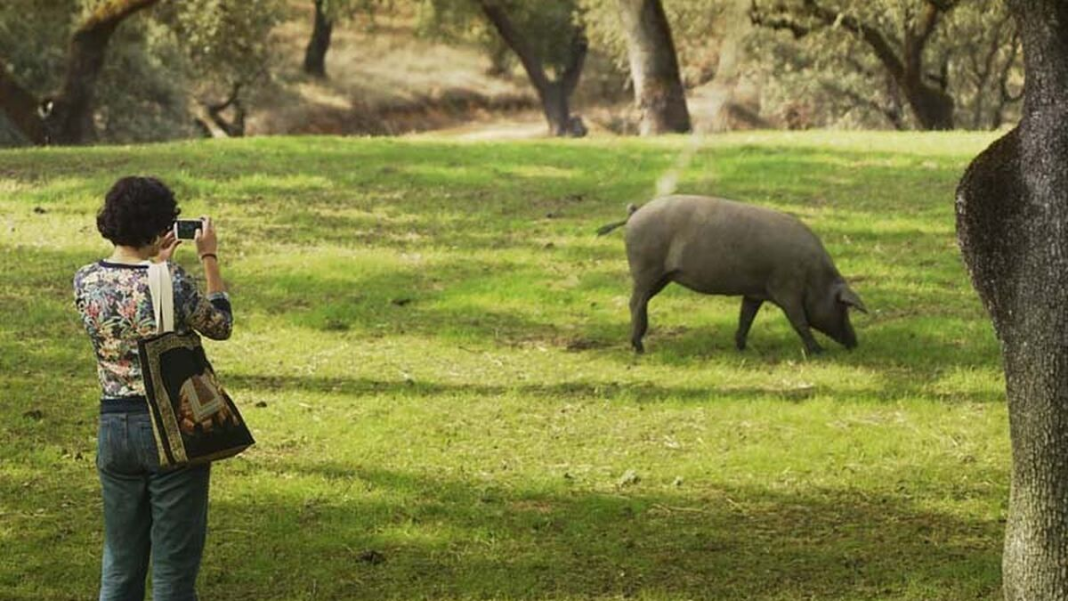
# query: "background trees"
(226, 51)
(326, 14)
(65, 116)
(125, 70)
(930, 64)
(547, 38)
(132, 70)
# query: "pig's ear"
(848, 297)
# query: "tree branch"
(576, 59)
(891, 113)
(71, 118)
(882, 48)
(779, 21)
(519, 44)
(110, 14)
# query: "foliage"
(349, 9)
(431, 346)
(546, 25)
(33, 40)
(982, 47)
(225, 42)
(697, 28)
(155, 60)
(832, 76)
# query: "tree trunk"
(933, 108)
(554, 95)
(654, 67)
(1012, 224)
(315, 53)
(70, 120)
(21, 108)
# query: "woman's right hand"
(205, 238)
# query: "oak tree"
(1012, 211)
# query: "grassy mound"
(431, 349)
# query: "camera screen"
(187, 228)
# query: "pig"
(723, 247)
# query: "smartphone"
(186, 229)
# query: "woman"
(148, 512)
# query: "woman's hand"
(207, 244)
(205, 238)
(167, 246)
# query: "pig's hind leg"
(645, 288)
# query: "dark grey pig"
(717, 246)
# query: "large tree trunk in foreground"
(654, 67)
(315, 53)
(1012, 223)
(555, 95)
(70, 120)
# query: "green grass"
(476, 435)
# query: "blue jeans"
(148, 513)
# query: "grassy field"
(431, 347)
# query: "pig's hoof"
(739, 343)
(638, 348)
(815, 351)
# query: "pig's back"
(719, 246)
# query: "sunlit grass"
(431, 348)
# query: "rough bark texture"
(21, 108)
(1012, 224)
(70, 120)
(555, 95)
(315, 53)
(654, 67)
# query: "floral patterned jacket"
(115, 307)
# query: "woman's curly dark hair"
(136, 210)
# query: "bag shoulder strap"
(161, 291)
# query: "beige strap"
(161, 290)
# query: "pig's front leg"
(750, 307)
(796, 314)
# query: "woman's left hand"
(167, 246)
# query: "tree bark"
(315, 53)
(1012, 225)
(932, 107)
(555, 95)
(654, 68)
(70, 120)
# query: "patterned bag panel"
(194, 419)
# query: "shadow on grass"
(583, 390)
(449, 538)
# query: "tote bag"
(193, 418)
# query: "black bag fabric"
(193, 418)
